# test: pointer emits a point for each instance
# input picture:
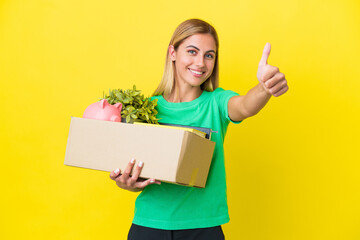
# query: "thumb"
(265, 55)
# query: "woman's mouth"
(196, 73)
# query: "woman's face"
(194, 59)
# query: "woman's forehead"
(202, 41)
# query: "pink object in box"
(102, 110)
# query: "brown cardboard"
(169, 155)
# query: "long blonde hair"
(183, 31)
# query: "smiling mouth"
(196, 72)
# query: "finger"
(146, 183)
(137, 171)
(269, 73)
(128, 169)
(278, 77)
(276, 88)
(281, 92)
(114, 173)
(265, 55)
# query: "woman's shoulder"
(155, 97)
(220, 93)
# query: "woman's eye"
(209, 56)
(191, 52)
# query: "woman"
(189, 95)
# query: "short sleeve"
(222, 98)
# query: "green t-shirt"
(172, 207)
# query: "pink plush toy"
(104, 111)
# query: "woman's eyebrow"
(192, 46)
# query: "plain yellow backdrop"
(293, 170)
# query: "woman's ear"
(172, 53)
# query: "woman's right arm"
(131, 183)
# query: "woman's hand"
(271, 79)
(271, 83)
(131, 183)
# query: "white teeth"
(196, 72)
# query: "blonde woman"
(189, 95)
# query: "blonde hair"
(184, 30)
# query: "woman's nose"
(200, 61)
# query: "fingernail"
(152, 180)
(141, 164)
(132, 160)
(117, 171)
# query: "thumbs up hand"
(272, 80)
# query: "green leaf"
(130, 108)
(135, 105)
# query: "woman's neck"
(184, 94)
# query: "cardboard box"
(169, 154)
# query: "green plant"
(134, 105)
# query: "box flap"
(194, 167)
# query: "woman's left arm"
(271, 83)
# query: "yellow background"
(292, 170)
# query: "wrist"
(263, 90)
